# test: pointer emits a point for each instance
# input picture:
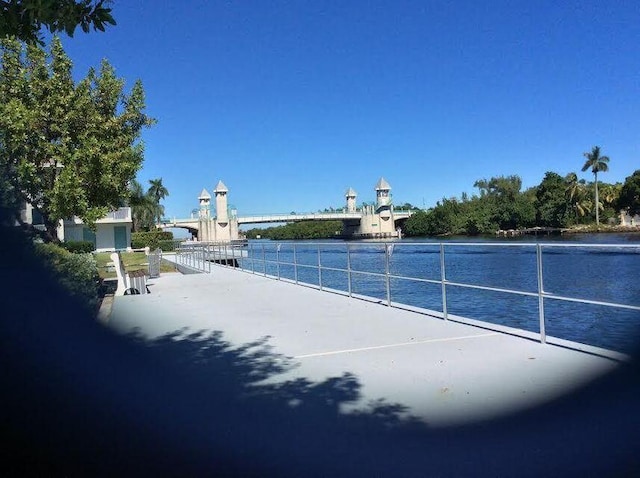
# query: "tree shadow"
(248, 374)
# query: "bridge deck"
(444, 372)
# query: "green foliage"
(78, 247)
(167, 245)
(157, 192)
(551, 203)
(503, 203)
(417, 224)
(70, 150)
(630, 194)
(145, 207)
(77, 273)
(446, 218)
(407, 207)
(299, 230)
(24, 19)
(150, 239)
(596, 161)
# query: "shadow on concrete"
(241, 375)
(78, 400)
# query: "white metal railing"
(123, 213)
(199, 256)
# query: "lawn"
(133, 261)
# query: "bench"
(129, 282)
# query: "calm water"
(601, 274)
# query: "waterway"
(600, 274)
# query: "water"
(600, 274)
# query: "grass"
(133, 261)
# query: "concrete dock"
(442, 372)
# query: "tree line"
(557, 202)
(298, 230)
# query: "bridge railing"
(376, 271)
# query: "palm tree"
(157, 191)
(597, 163)
(576, 195)
(610, 194)
(143, 207)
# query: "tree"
(67, 149)
(551, 203)
(597, 163)
(143, 207)
(630, 194)
(417, 224)
(157, 192)
(576, 196)
(24, 19)
(503, 204)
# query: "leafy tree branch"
(24, 19)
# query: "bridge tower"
(382, 193)
(221, 227)
(377, 221)
(222, 216)
(351, 200)
(205, 203)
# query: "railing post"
(543, 334)
(319, 269)
(209, 257)
(386, 273)
(253, 260)
(443, 282)
(264, 262)
(226, 255)
(349, 269)
(295, 263)
(278, 261)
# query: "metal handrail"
(189, 256)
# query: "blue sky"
(292, 102)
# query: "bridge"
(381, 220)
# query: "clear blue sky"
(292, 102)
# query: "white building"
(113, 232)
(627, 220)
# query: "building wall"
(104, 238)
(210, 230)
(374, 223)
(73, 232)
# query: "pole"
(386, 273)
(349, 269)
(543, 334)
(443, 281)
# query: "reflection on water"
(593, 273)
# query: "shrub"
(79, 246)
(167, 245)
(77, 273)
(150, 239)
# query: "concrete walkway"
(443, 372)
